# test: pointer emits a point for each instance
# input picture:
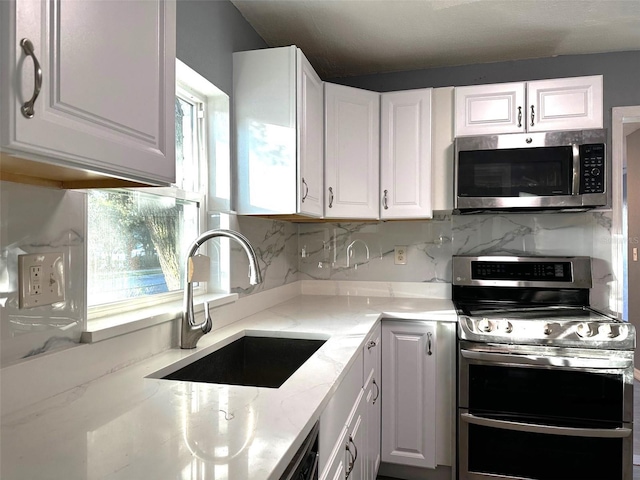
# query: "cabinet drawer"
(371, 354)
(336, 414)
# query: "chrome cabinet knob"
(485, 325)
(584, 330)
(548, 329)
(611, 331)
(507, 327)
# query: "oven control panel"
(522, 272)
(602, 333)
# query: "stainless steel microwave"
(531, 171)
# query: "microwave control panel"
(592, 168)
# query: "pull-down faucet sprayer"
(191, 332)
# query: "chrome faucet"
(350, 251)
(191, 332)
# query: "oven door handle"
(544, 360)
(546, 429)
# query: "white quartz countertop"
(127, 426)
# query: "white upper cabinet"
(442, 132)
(352, 152)
(89, 87)
(565, 104)
(558, 104)
(405, 155)
(489, 109)
(278, 109)
(310, 138)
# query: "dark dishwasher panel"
(304, 465)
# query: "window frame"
(98, 312)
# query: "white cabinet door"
(310, 138)
(564, 104)
(352, 152)
(355, 447)
(409, 393)
(490, 109)
(372, 393)
(405, 155)
(278, 106)
(335, 467)
(106, 102)
(544, 105)
(336, 416)
(373, 412)
(346, 459)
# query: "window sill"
(121, 324)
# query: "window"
(137, 238)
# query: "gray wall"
(208, 32)
(621, 76)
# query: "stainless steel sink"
(250, 360)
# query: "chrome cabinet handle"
(429, 351)
(385, 200)
(352, 461)
(533, 115)
(371, 344)
(306, 191)
(519, 117)
(375, 399)
(330, 197)
(27, 107)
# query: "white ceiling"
(357, 37)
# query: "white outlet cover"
(400, 255)
(51, 281)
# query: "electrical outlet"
(34, 273)
(41, 279)
(401, 255)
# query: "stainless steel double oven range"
(545, 382)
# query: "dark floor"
(636, 434)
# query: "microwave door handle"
(546, 429)
(575, 186)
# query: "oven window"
(544, 171)
(520, 393)
(510, 453)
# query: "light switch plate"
(41, 278)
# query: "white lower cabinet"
(409, 393)
(356, 438)
(342, 415)
(405, 421)
(350, 425)
(373, 402)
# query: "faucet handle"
(208, 324)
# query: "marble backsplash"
(365, 251)
(40, 220)
(36, 220)
(276, 246)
